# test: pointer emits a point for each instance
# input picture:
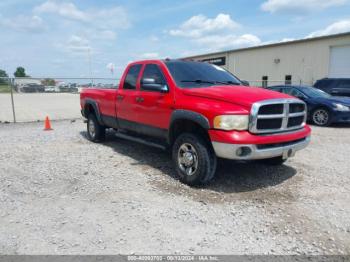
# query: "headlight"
(231, 122)
(340, 107)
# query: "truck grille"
(277, 115)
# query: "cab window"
(131, 77)
(152, 71)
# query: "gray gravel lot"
(61, 194)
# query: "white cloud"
(106, 35)
(67, 10)
(214, 33)
(150, 56)
(33, 24)
(335, 28)
(199, 25)
(228, 41)
(77, 44)
(115, 17)
(299, 6)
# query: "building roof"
(275, 44)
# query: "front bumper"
(341, 117)
(262, 151)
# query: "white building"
(301, 61)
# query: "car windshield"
(314, 92)
(189, 74)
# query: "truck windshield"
(189, 74)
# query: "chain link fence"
(32, 99)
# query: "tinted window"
(314, 92)
(344, 84)
(131, 77)
(323, 83)
(154, 72)
(196, 74)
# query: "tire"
(95, 131)
(275, 161)
(321, 117)
(194, 159)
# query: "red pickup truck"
(200, 111)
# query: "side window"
(265, 81)
(344, 84)
(153, 71)
(131, 77)
(288, 80)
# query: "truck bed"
(105, 98)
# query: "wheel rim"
(320, 117)
(188, 159)
(91, 128)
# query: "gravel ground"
(61, 194)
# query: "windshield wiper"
(198, 81)
(226, 82)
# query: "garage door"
(339, 64)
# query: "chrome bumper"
(251, 152)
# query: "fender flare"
(190, 115)
(90, 102)
(187, 115)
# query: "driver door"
(154, 106)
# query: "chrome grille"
(277, 115)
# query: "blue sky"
(54, 38)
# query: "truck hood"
(241, 95)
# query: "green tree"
(20, 72)
(48, 82)
(3, 74)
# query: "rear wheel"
(321, 117)
(194, 159)
(95, 131)
(275, 161)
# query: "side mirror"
(245, 83)
(150, 84)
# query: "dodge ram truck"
(200, 112)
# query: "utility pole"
(90, 66)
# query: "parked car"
(32, 88)
(334, 86)
(323, 109)
(200, 111)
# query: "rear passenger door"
(126, 99)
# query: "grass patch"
(4, 88)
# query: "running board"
(139, 140)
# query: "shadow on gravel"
(231, 176)
(340, 125)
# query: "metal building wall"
(306, 60)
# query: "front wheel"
(321, 117)
(194, 159)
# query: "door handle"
(120, 97)
(140, 99)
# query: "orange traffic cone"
(47, 124)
